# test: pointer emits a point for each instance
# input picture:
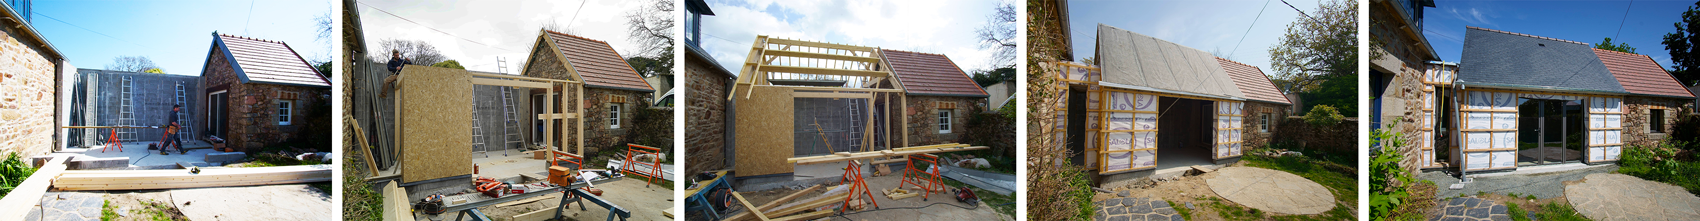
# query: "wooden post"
(868, 136)
(887, 121)
(398, 122)
(581, 129)
(904, 101)
(549, 123)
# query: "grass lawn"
(1341, 182)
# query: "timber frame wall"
(764, 138)
(425, 160)
(1105, 132)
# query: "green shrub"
(1323, 115)
(1661, 165)
(1388, 182)
(1556, 211)
(13, 171)
(1516, 213)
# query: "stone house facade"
(257, 92)
(927, 114)
(706, 137)
(613, 90)
(29, 88)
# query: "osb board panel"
(764, 131)
(436, 110)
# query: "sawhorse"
(112, 141)
(853, 176)
(927, 180)
(575, 195)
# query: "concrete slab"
(1543, 182)
(142, 158)
(224, 157)
(498, 166)
(274, 202)
(1271, 190)
(1606, 196)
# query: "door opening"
(1549, 131)
(1185, 132)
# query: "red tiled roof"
(1639, 74)
(265, 61)
(1252, 82)
(931, 74)
(597, 63)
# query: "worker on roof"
(171, 133)
(395, 65)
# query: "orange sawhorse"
(930, 178)
(632, 150)
(858, 187)
(112, 141)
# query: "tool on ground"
(491, 187)
(432, 205)
(965, 195)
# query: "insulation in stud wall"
(1129, 133)
(1490, 130)
(1229, 116)
(1605, 129)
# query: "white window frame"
(613, 116)
(1263, 122)
(945, 121)
(285, 112)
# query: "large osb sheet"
(764, 133)
(436, 110)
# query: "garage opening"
(1549, 131)
(1185, 132)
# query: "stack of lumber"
(182, 178)
(896, 152)
(774, 211)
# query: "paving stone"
(1141, 209)
(1176, 217)
(1124, 193)
(1471, 202)
(1606, 196)
(1271, 190)
(1454, 211)
(1120, 218)
(1456, 202)
(1498, 209)
(1156, 217)
(1189, 205)
(1500, 217)
(1159, 204)
(1477, 213)
(1118, 210)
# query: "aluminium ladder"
(510, 126)
(855, 125)
(126, 115)
(184, 133)
(477, 130)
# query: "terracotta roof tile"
(1252, 82)
(1639, 74)
(272, 62)
(931, 74)
(597, 63)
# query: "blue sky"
(1208, 25)
(1583, 21)
(176, 35)
(502, 28)
(939, 27)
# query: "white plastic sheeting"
(1605, 129)
(1129, 131)
(1229, 118)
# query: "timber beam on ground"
(753, 214)
(183, 178)
(848, 156)
(27, 194)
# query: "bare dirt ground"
(135, 205)
(938, 206)
(645, 203)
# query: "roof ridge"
(914, 52)
(1625, 53)
(1259, 70)
(1527, 35)
(574, 36)
(247, 38)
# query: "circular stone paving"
(1605, 196)
(1271, 190)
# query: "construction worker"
(171, 133)
(395, 65)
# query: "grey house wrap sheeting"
(1133, 59)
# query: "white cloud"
(501, 28)
(944, 27)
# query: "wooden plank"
(788, 198)
(539, 215)
(668, 212)
(396, 205)
(808, 216)
(829, 95)
(510, 83)
(26, 195)
(437, 112)
(810, 205)
(822, 71)
(800, 54)
(182, 178)
(556, 116)
(524, 201)
(747, 205)
(519, 77)
(780, 41)
(879, 154)
(764, 137)
(360, 138)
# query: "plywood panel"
(764, 133)
(436, 110)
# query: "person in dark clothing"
(171, 133)
(395, 65)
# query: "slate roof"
(597, 63)
(1252, 82)
(1494, 58)
(1143, 62)
(267, 62)
(1639, 74)
(931, 74)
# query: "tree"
(646, 67)
(999, 35)
(995, 76)
(1684, 46)
(1620, 47)
(451, 63)
(651, 27)
(1319, 46)
(324, 68)
(155, 70)
(415, 50)
(131, 64)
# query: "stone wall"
(1637, 113)
(924, 120)
(1385, 27)
(1338, 137)
(599, 136)
(1402, 103)
(27, 88)
(705, 116)
(1253, 134)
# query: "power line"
(90, 30)
(1625, 18)
(1248, 28)
(433, 29)
(1442, 35)
(250, 18)
(1301, 12)
(575, 15)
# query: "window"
(284, 109)
(1263, 123)
(1656, 121)
(944, 121)
(614, 116)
